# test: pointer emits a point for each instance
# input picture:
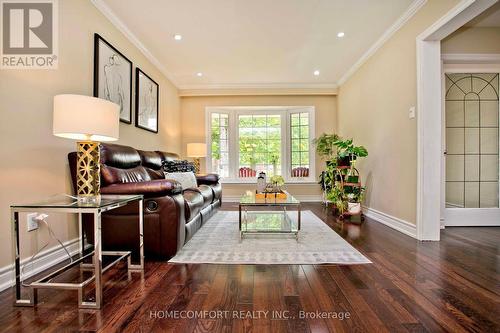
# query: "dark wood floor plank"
(451, 286)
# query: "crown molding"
(401, 21)
(122, 27)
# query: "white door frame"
(429, 120)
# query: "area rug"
(218, 242)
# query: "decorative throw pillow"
(178, 166)
(186, 179)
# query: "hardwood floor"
(449, 286)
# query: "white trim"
(429, 120)
(474, 58)
(259, 91)
(471, 68)
(122, 27)
(476, 217)
(395, 223)
(401, 21)
(44, 260)
(300, 197)
(258, 85)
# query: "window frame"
(233, 142)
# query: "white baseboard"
(395, 223)
(302, 198)
(45, 260)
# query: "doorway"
(472, 148)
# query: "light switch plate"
(31, 223)
(411, 114)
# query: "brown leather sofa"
(171, 215)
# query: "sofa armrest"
(207, 179)
(157, 187)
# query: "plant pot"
(344, 161)
(352, 179)
(354, 207)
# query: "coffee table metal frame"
(245, 205)
(96, 254)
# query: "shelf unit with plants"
(340, 181)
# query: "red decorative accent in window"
(300, 172)
(247, 172)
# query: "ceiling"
(256, 43)
(490, 18)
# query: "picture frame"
(113, 77)
(147, 96)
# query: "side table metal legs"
(96, 266)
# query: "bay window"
(244, 141)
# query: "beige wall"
(33, 164)
(373, 108)
(472, 40)
(193, 125)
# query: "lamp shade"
(81, 117)
(196, 150)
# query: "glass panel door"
(472, 140)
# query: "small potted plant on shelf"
(354, 198)
(347, 152)
(336, 196)
(325, 146)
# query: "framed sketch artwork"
(113, 77)
(146, 101)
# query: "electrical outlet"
(31, 222)
(411, 114)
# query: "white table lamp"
(89, 120)
(196, 150)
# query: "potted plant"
(325, 146)
(347, 152)
(354, 198)
(337, 196)
(277, 182)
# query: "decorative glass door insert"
(472, 140)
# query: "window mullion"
(234, 154)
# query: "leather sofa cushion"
(111, 175)
(217, 189)
(119, 156)
(193, 202)
(157, 187)
(206, 192)
(167, 156)
(150, 159)
(207, 179)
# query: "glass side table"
(66, 204)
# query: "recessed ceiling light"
(200, 74)
(341, 34)
(316, 73)
(177, 37)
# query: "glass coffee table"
(254, 220)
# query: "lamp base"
(88, 171)
(196, 162)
